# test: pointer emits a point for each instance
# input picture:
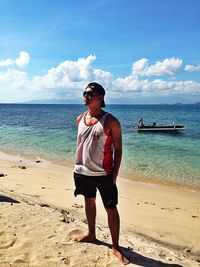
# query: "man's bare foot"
(85, 238)
(120, 256)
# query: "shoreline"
(154, 217)
(14, 155)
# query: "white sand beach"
(39, 215)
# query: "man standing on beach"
(98, 158)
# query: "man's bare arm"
(117, 143)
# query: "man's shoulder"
(110, 119)
(80, 116)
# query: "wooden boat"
(159, 128)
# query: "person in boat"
(140, 123)
(154, 124)
(99, 137)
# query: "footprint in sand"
(168, 209)
(149, 203)
(51, 236)
(22, 167)
(73, 233)
(37, 196)
(111, 264)
(77, 206)
(20, 259)
(66, 260)
(6, 240)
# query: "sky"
(141, 51)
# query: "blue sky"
(141, 51)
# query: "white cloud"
(169, 66)
(6, 62)
(23, 59)
(140, 66)
(66, 79)
(69, 78)
(192, 68)
(67, 74)
(12, 75)
(156, 87)
(71, 74)
(14, 86)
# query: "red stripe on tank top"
(108, 155)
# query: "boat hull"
(161, 128)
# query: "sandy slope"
(160, 225)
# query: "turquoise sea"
(49, 132)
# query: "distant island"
(197, 103)
(53, 101)
(79, 101)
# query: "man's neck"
(95, 112)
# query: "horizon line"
(113, 104)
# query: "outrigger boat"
(159, 128)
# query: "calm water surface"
(49, 131)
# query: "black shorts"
(88, 185)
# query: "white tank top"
(94, 152)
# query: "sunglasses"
(89, 93)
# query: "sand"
(39, 216)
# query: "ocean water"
(49, 131)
